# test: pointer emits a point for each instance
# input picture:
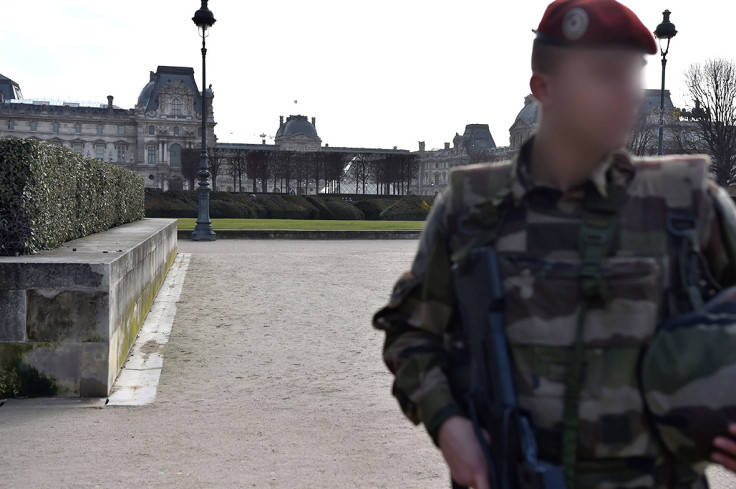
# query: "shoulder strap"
(596, 237)
(682, 224)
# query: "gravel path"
(272, 378)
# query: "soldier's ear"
(540, 87)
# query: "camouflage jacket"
(537, 243)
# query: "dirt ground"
(272, 378)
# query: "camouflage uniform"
(538, 247)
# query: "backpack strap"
(598, 228)
(682, 224)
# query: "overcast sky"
(382, 73)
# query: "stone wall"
(69, 316)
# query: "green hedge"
(410, 208)
(50, 195)
(184, 203)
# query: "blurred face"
(595, 94)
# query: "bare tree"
(257, 168)
(237, 165)
(712, 87)
(360, 170)
(215, 161)
(190, 165)
(642, 138)
(334, 170)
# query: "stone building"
(298, 135)
(475, 145)
(147, 138)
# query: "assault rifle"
(491, 398)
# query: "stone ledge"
(305, 234)
(70, 315)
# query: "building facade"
(474, 146)
(147, 138)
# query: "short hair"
(545, 57)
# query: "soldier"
(587, 60)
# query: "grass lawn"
(312, 225)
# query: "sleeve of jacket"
(718, 238)
(414, 321)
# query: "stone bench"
(69, 316)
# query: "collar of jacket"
(615, 167)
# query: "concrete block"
(12, 315)
(69, 316)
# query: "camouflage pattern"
(538, 250)
(687, 377)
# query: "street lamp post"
(665, 32)
(203, 231)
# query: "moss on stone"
(19, 379)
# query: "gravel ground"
(272, 378)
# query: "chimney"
(314, 121)
(447, 145)
(152, 76)
(281, 120)
(109, 104)
(263, 141)
(422, 146)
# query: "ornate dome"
(145, 94)
(530, 113)
(297, 124)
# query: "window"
(199, 132)
(121, 153)
(175, 155)
(100, 151)
(151, 130)
(78, 148)
(77, 128)
(11, 125)
(152, 155)
(176, 130)
(121, 130)
(34, 126)
(99, 128)
(56, 127)
(176, 107)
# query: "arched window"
(176, 107)
(176, 130)
(175, 155)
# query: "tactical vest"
(551, 324)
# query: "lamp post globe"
(664, 33)
(204, 19)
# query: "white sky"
(382, 73)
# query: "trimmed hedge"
(50, 195)
(410, 208)
(184, 203)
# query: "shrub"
(409, 208)
(345, 211)
(372, 208)
(50, 195)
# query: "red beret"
(594, 23)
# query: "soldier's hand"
(463, 453)
(726, 445)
